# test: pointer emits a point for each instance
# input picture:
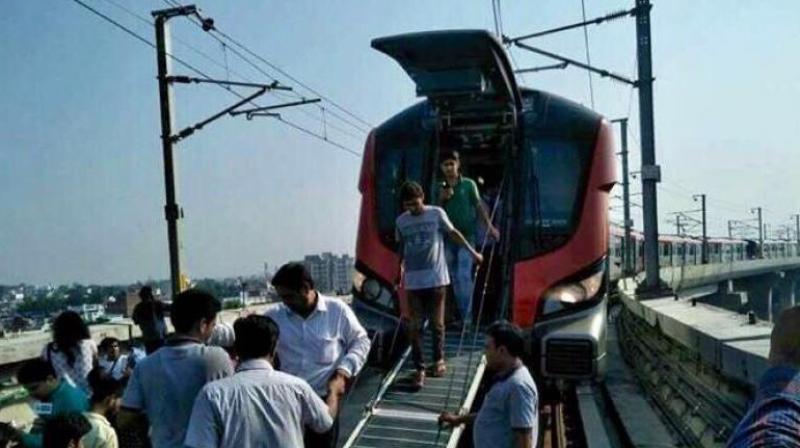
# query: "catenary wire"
(282, 72)
(138, 37)
(588, 57)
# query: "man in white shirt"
(321, 340)
(114, 364)
(257, 406)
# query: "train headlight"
(565, 295)
(373, 292)
(371, 289)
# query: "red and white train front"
(552, 165)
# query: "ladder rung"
(398, 439)
(411, 415)
(437, 405)
(397, 428)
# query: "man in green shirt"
(56, 396)
(458, 196)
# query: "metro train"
(552, 162)
(676, 250)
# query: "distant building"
(331, 273)
(89, 313)
(13, 295)
(124, 305)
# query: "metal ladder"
(400, 417)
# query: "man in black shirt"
(149, 316)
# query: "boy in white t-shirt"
(421, 231)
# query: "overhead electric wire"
(283, 72)
(521, 76)
(494, 16)
(313, 134)
(271, 77)
(631, 88)
(498, 14)
(144, 40)
(227, 69)
(500, 17)
(719, 203)
(118, 25)
(295, 80)
(588, 57)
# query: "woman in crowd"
(72, 353)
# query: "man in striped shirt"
(773, 419)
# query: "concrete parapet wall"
(28, 345)
(720, 338)
(689, 276)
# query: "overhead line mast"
(172, 211)
(650, 171)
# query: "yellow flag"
(186, 282)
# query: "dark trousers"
(326, 439)
(428, 303)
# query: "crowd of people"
(278, 382)
(278, 379)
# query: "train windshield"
(395, 165)
(553, 175)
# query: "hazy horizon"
(81, 175)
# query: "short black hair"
(191, 307)
(146, 292)
(108, 342)
(256, 336)
(411, 190)
(449, 155)
(8, 435)
(103, 386)
(293, 276)
(34, 371)
(507, 335)
(62, 429)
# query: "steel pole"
(171, 209)
(651, 172)
(797, 231)
(704, 246)
(705, 231)
(627, 256)
(760, 235)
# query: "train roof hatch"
(456, 70)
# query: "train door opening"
(474, 102)
(483, 148)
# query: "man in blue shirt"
(509, 416)
(773, 419)
(163, 386)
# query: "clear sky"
(81, 176)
